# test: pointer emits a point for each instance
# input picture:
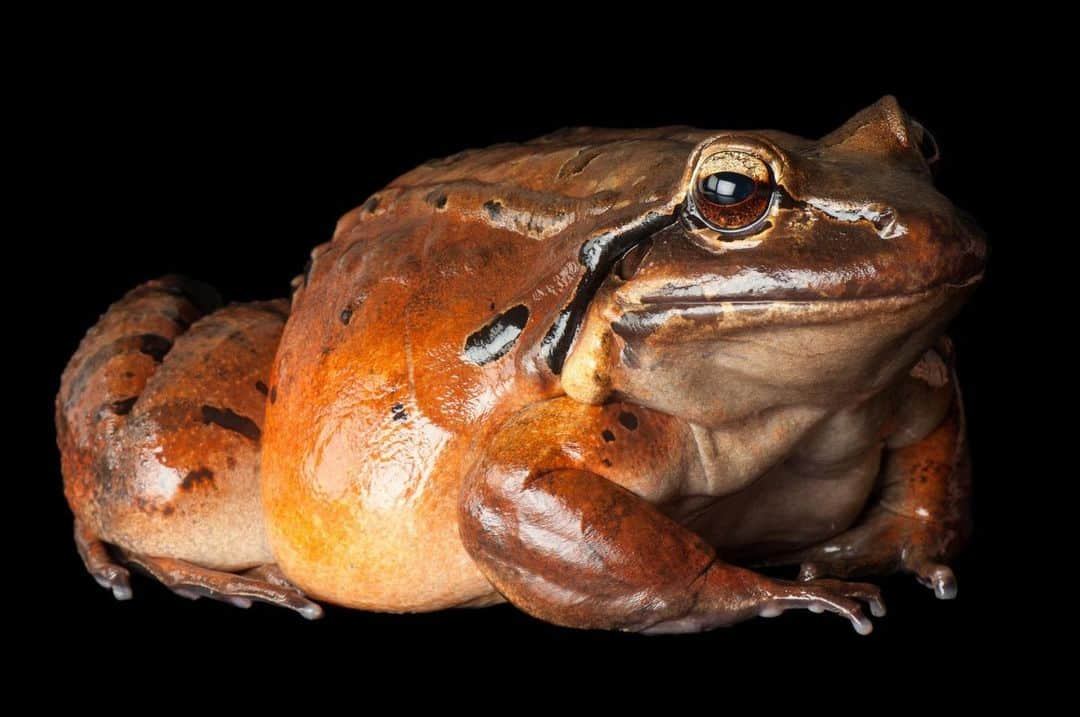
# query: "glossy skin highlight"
(553, 373)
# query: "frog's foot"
(100, 565)
(264, 583)
(819, 596)
(884, 543)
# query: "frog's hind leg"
(159, 421)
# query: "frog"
(619, 378)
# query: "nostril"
(885, 222)
(628, 265)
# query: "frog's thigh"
(172, 471)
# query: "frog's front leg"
(559, 514)
(921, 517)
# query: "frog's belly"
(791, 505)
(373, 530)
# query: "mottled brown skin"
(159, 421)
(558, 373)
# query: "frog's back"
(427, 320)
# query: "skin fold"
(602, 375)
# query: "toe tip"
(944, 590)
(944, 583)
(311, 611)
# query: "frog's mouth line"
(639, 320)
(662, 303)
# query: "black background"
(151, 162)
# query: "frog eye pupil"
(726, 188)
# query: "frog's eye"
(726, 188)
(731, 192)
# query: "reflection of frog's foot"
(884, 543)
(98, 562)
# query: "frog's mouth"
(669, 271)
(668, 320)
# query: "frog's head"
(792, 271)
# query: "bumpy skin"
(535, 372)
(159, 421)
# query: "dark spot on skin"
(399, 412)
(371, 205)
(629, 420)
(606, 462)
(346, 315)
(261, 388)
(436, 198)
(496, 338)
(168, 510)
(127, 345)
(123, 406)
(923, 479)
(230, 462)
(608, 436)
(492, 207)
(197, 477)
(273, 395)
(154, 346)
(231, 421)
(129, 374)
(491, 307)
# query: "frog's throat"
(598, 255)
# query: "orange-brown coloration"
(164, 476)
(535, 371)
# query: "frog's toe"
(836, 596)
(100, 565)
(937, 577)
(262, 584)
